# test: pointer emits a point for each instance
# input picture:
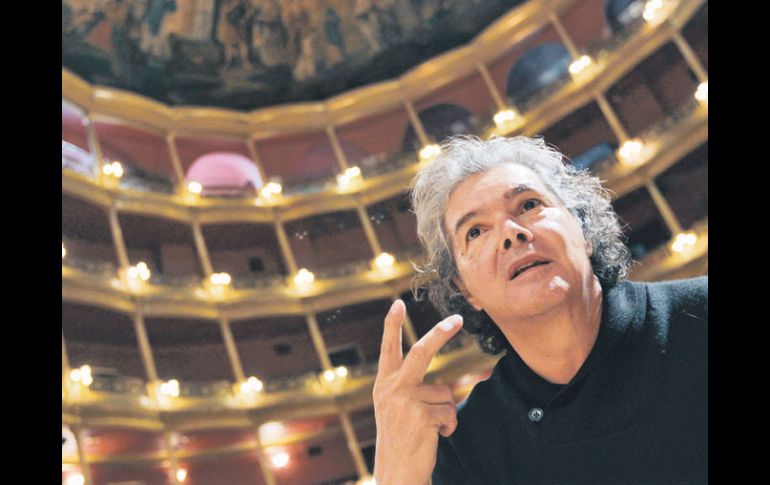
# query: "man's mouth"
(528, 266)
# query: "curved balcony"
(666, 142)
(608, 67)
(233, 321)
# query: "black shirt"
(636, 411)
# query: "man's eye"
(474, 233)
(530, 204)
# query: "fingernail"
(393, 306)
(451, 323)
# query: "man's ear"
(459, 284)
(589, 248)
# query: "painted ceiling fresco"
(246, 54)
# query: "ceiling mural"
(246, 54)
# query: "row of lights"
(303, 278)
(335, 374)
(170, 388)
(278, 459)
(78, 478)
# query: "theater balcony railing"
(664, 144)
(612, 58)
(113, 400)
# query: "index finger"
(417, 361)
(391, 354)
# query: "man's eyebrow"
(510, 194)
(517, 190)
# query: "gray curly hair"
(465, 155)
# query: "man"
(603, 380)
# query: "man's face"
(515, 218)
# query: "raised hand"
(410, 414)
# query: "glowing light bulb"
(181, 474)
(504, 117)
(63, 251)
(75, 479)
(684, 242)
(580, 63)
(385, 261)
(142, 271)
(222, 279)
(656, 11)
(341, 371)
(271, 189)
(304, 277)
(702, 93)
(429, 151)
(280, 460)
(252, 385)
(271, 431)
(114, 169)
(255, 383)
(75, 375)
(631, 150)
(329, 375)
(195, 187)
(85, 375)
(350, 176)
(170, 388)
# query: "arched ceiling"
(247, 54)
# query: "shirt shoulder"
(685, 296)
(677, 312)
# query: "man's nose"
(513, 232)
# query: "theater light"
(195, 187)
(140, 271)
(328, 375)
(341, 372)
(630, 152)
(63, 251)
(304, 277)
(181, 474)
(684, 242)
(504, 117)
(75, 479)
(271, 431)
(385, 261)
(252, 385)
(82, 375)
(271, 189)
(657, 10)
(429, 151)
(280, 460)
(350, 177)
(170, 388)
(702, 93)
(579, 64)
(221, 279)
(114, 169)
